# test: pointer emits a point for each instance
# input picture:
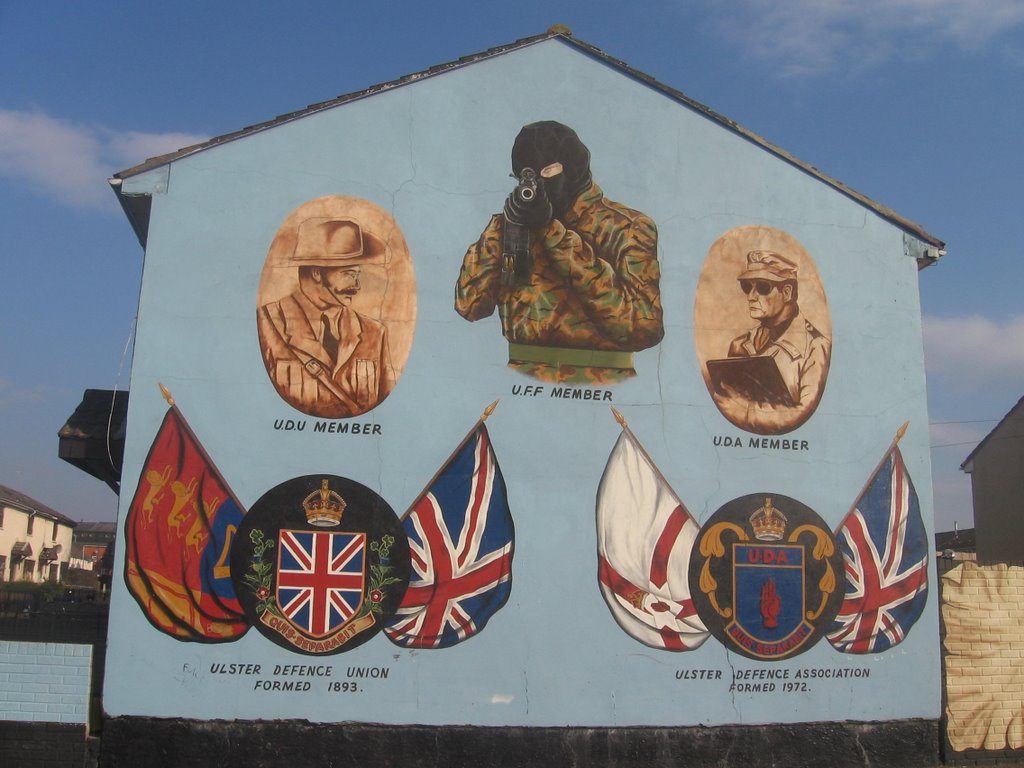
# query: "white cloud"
(814, 36)
(958, 434)
(15, 395)
(72, 162)
(972, 352)
(132, 147)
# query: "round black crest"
(766, 576)
(320, 563)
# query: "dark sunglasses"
(763, 287)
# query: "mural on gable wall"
(768, 377)
(349, 510)
(336, 307)
(574, 276)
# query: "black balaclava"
(538, 145)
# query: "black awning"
(21, 549)
(93, 437)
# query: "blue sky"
(914, 103)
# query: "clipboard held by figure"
(755, 378)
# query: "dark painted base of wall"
(985, 757)
(130, 742)
(41, 745)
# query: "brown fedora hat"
(334, 242)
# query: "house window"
(1, 517)
(53, 535)
(3, 567)
(31, 524)
(29, 569)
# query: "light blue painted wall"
(45, 682)
(436, 155)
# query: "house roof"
(1017, 410)
(92, 439)
(99, 528)
(12, 498)
(137, 207)
(959, 540)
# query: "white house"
(35, 541)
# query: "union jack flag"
(460, 541)
(320, 579)
(885, 549)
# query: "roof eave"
(884, 211)
(136, 208)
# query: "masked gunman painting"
(762, 328)
(337, 307)
(573, 275)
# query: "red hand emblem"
(770, 604)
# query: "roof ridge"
(344, 98)
(556, 31)
(10, 497)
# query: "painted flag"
(885, 549)
(320, 579)
(644, 538)
(178, 534)
(460, 541)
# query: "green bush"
(49, 591)
(19, 586)
(52, 591)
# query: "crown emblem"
(324, 507)
(769, 524)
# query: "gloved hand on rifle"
(528, 204)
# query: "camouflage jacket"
(593, 286)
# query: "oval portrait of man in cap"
(336, 310)
(762, 330)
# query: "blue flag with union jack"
(885, 549)
(460, 541)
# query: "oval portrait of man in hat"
(762, 330)
(336, 309)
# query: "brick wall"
(44, 682)
(44, 703)
(983, 618)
